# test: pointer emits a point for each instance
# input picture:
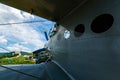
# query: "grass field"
(16, 60)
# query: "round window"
(79, 30)
(102, 23)
(66, 34)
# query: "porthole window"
(102, 23)
(66, 34)
(79, 30)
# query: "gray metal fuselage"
(91, 56)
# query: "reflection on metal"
(20, 72)
(42, 55)
(24, 72)
(67, 34)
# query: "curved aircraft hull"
(89, 54)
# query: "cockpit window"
(53, 30)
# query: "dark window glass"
(79, 30)
(102, 23)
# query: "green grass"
(16, 60)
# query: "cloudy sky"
(25, 37)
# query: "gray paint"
(43, 71)
(91, 56)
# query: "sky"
(21, 37)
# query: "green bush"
(16, 60)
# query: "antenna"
(20, 22)
(4, 49)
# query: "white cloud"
(3, 40)
(10, 14)
(18, 47)
(27, 15)
(23, 34)
(24, 43)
